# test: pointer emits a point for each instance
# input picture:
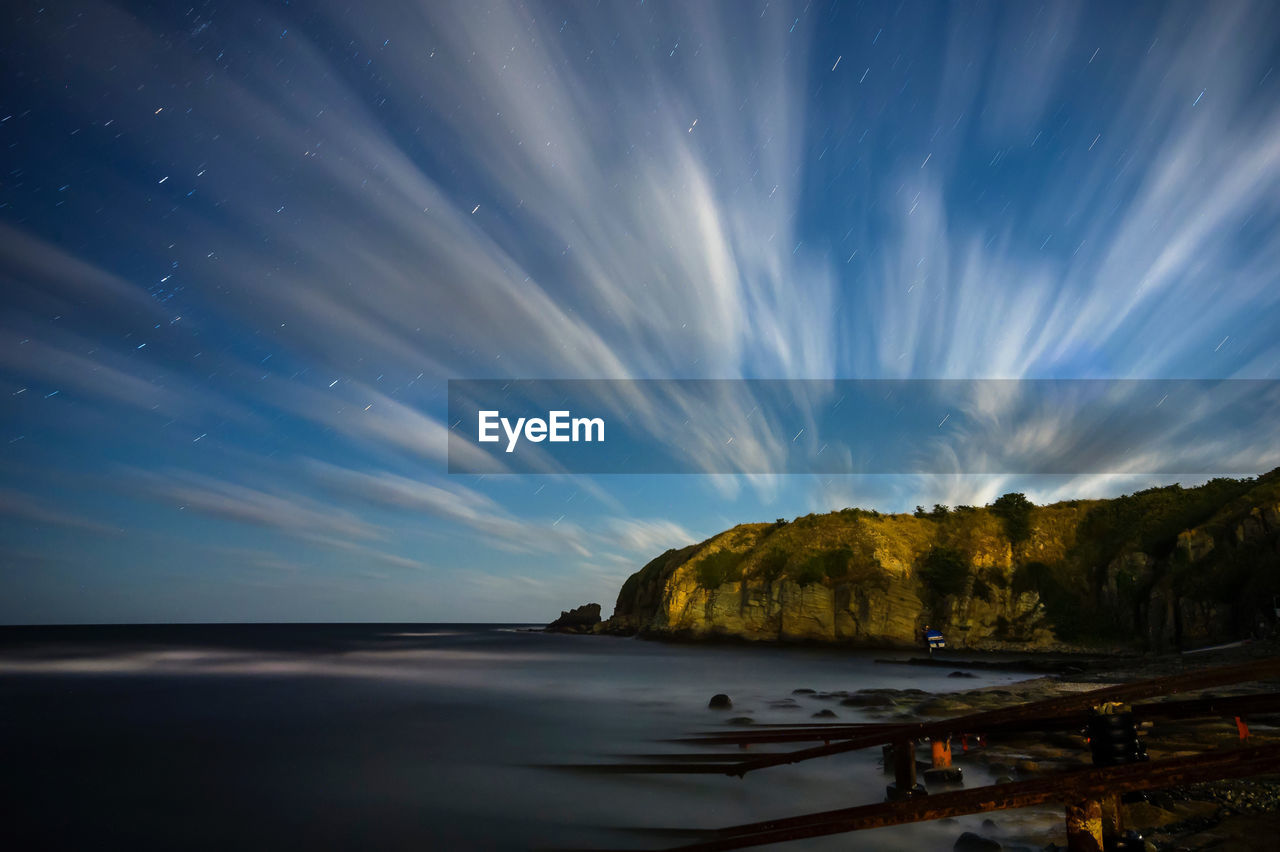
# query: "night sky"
(244, 247)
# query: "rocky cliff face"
(1157, 569)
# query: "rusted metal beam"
(762, 733)
(703, 763)
(645, 768)
(768, 735)
(1190, 708)
(1059, 706)
(848, 738)
(1075, 786)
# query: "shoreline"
(1063, 660)
(1065, 652)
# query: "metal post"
(941, 752)
(1242, 728)
(904, 765)
(904, 784)
(1084, 826)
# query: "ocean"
(410, 736)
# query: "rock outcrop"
(1158, 569)
(581, 619)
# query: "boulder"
(970, 842)
(944, 776)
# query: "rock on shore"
(578, 620)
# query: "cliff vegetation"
(1157, 570)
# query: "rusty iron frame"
(1090, 795)
(1063, 705)
(1070, 787)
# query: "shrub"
(824, 565)
(716, 569)
(771, 565)
(944, 571)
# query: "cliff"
(1159, 569)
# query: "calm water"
(420, 737)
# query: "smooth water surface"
(418, 737)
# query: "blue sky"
(244, 248)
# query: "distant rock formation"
(1160, 569)
(580, 620)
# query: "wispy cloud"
(293, 264)
(1130, 257)
(456, 503)
(27, 507)
(231, 501)
(648, 538)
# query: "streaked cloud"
(252, 255)
(26, 507)
(455, 503)
(288, 512)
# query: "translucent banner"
(860, 426)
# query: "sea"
(417, 736)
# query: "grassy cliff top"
(1061, 550)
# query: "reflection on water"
(413, 737)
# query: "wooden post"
(1084, 826)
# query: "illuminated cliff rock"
(1156, 569)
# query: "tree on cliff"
(943, 572)
(1015, 510)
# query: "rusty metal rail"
(990, 720)
(1091, 795)
(1061, 712)
(1069, 787)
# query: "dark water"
(417, 737)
